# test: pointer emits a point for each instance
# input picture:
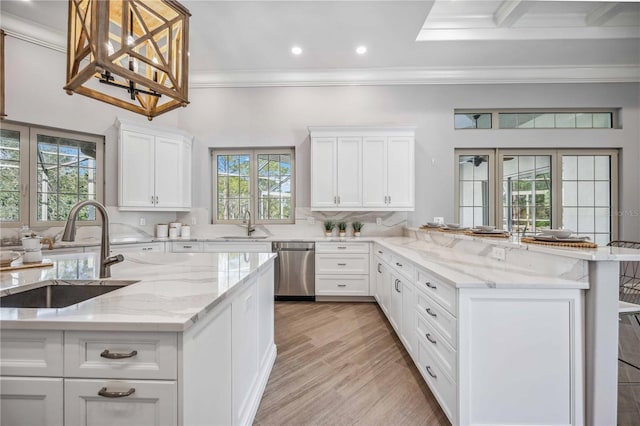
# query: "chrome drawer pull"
(380, 251)
(117, 355)
(187, 246)
(108, 394)
(342, 285)
(430, 372)
(342, 264)
(428, 336)
(342, 247)
(399, 264)
(431, 286)
(379, 265)
(431, 313)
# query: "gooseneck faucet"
(250, 228)
(70, 234)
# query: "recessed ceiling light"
(361, 50)
(296, 50)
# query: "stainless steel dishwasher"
(295, 271)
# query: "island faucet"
(70, 234)
(250, 228)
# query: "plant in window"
(357, 227)
(342, 228)
(328, 227)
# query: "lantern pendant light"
(130, 53)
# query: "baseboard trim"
(367, 299)
(261, 385)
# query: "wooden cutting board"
(46, 263)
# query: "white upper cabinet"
(362, 168)
(154, 168)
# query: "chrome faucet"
(250, 228)
(70, 234)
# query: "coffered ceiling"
(248, 43)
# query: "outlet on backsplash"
(193, 220)
(378, 221)
(142, 221)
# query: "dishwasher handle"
(293, 249)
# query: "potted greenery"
(357, 227)
(328, 227)
(342, 228)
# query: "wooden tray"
(488, 234)
(46, 263)
(582, 244)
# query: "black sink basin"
(59, 295)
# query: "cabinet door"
(152, 402)
(349, 172)
(31, 401)
(386, 286)
(400, 174)
(136, 170)
(323, 172)
(409, 317)
(374, 171)
(395, 304)
(170, 174)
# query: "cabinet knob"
(111, 394)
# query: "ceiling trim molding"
(528, 33)
(403, 76)
(33, 33)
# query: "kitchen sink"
(244, 237)
(59, 294)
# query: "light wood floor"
(341, 363)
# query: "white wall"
(280, 116)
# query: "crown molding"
(404, 76)
(34, 33)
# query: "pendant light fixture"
(129, 53)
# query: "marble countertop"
(172, 290)
(463, 270)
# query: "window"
(44, 172)
(537, 119)
(530, 190)
(258, 181)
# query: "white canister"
(185, 231)
(173, 232)
(176, 225)
(32, 256)
(162, 230)
(31, 243)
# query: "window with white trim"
(259, 181)
(44, 172)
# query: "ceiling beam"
(603, 14)
(509, 12)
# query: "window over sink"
(260, 181)
(44, 172)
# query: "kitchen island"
(188, 340)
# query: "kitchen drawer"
(31, 353)
(342, 247)
(442, 386)
(403, 266)
(382, 253)
(441, 320)
(336, 285)
(237, 247)
(440, 348)
(138, 248)
(438, 290)
(186, 247)
(88, 354)
(342, 264)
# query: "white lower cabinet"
(342, 269)
(122, 402)
(214, 373)
(29, 401)
(490, 356)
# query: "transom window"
(44, 172)
(255, 181)
(537, 119)
(530, 190)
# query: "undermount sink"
(59, 295)
(244, 237)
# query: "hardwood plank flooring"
(342, 363)
(339, 364)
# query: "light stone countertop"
(172, 290)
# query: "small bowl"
(558, 233)
(453, 225)
(6, 257)
(486, 228)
